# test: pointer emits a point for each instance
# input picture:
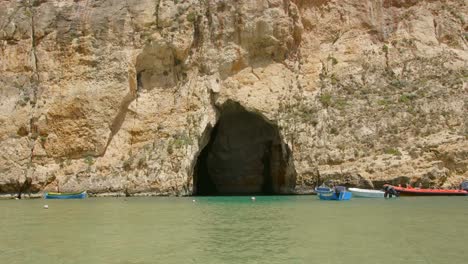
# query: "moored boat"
(342, 196)
(410, 191)
(338, 193)
(323, 189)
(53, 195)
(367, 193)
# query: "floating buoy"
(193, 200)
(46, 206)
(252, 198)
(16, 198)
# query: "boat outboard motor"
(339, 189)
(390, 191)
(464, 185)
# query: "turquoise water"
(273, 229)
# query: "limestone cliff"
(125, 96)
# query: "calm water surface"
(274, 229)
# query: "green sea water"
(273, 229)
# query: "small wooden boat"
(52, 195)
(357, 192)
(323, 189)
(342, 196)
(410, 191)
(327, 193)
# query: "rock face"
(244, 156)
(123, 97)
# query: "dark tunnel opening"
(245, 155)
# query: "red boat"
(410, 191)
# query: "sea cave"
(244, 155)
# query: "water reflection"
(236, 229)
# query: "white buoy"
(193, 200)
(252, 198)
(16, 198)
(46, 206)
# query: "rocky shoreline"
(122, 194)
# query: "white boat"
(367, 193)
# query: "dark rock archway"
(245, 155)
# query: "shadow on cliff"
(244, 155)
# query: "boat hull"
(323, 189)
(81, 195)
(429, 192)
(366, 193)
(329, 196)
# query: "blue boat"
(327, 193)
(52, 195)
(323, 189)
(342, 196)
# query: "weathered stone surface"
(120, 96)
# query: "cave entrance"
(244, 155)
